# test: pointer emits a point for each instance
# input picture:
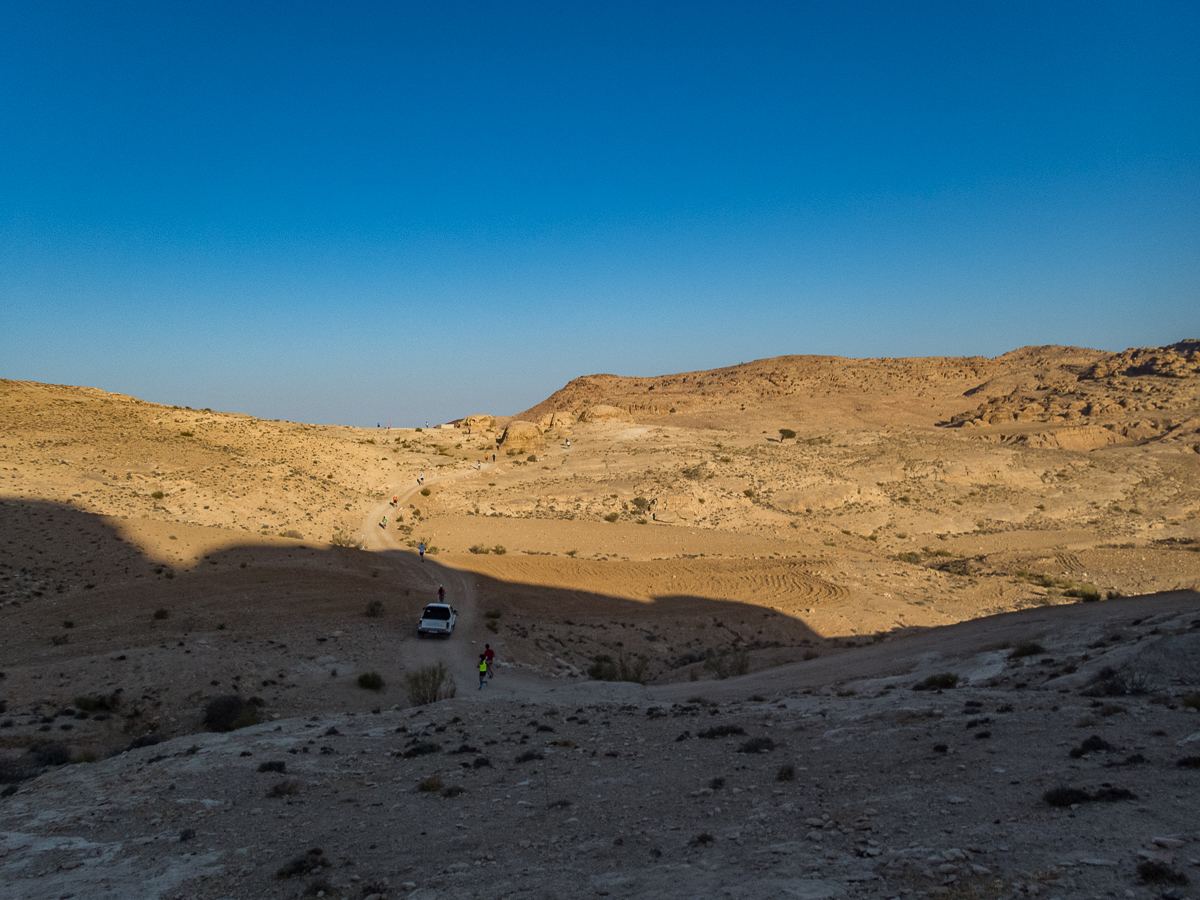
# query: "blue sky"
(360, 212)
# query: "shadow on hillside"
(60, 560)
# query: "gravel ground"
(862, 788)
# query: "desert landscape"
(803, 627)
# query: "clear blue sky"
(360, 212)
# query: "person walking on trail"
(482, 670)
(489, 656)
(394, 498)
(421, 478)
(421, 550)
(383, 524)
(441, 594)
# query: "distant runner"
(482, 670)
(441, 594)
(421, 550)
(383, 524)
(490, 656)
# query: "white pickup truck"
(437, 618)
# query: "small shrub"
(430, 785)
(425, 492)
(1026, 648)
(785, 434)
(158, 495)
(492, 625)
(572, 553)
(1154, 871)
(479, 548)
(162, 613)
(186, 434)
(302, 865)
(703, 840)
(492, 614)
(375, 609)
(284, 789)
(1094, 744)
(421, 748)
(50, 753)
(749, 492)
(943, 682)
(717, 783)
(291, 533)
(370, 681)
(612, 517)
(230, 712)
(341, 539)
(1065, 796)
(757, 745)
(718, 731)
(532, 457)
(429, 684)
(1191, 701)
(454, 790)
(59, 639)
(275, 765)
(1110, 682)
(727, 663)
(787, 772)
(811, 654)
(499, 550)
(623, 668)
(910, 556)
(91, 703)
(529, 756)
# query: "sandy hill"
(978, 517)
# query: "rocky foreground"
(1063, 765)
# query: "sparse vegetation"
(726, 663)
(612, 517)
(342, 539)
(375, 609)
(942, 682)
(1026, 648)
(757, 745)
(370, 681)
(231, 712)
(162, 613)
(624, 668)
(286, 788)
(430, 785)
(302, 865)
(425, 492)
(429, 684)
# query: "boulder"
(480, 422)
(602, 413)
(521, 436)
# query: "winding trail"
(460, 652)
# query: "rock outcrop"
(603, 413)
(521, 436)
